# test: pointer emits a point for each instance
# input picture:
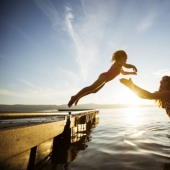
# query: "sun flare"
(129, 98)
(132, 115)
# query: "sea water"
(133, 138)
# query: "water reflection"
(132, 116)
(129, 142)
(67, 146)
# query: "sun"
(128, 97)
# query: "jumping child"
(119, 59)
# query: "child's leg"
(94, 91)
(87, 90)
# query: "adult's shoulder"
(163, 94)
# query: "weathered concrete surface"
(16, 140)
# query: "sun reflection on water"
(132, 115)
(129, 142)
(138, 133)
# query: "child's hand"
(135, 69)
(134, 73)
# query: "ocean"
(134, 138)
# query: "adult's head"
(164, 83)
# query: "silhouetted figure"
(162, 96)
(119, 60)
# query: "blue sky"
(50, 49)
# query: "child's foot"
(72, 100)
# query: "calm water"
(125, 139)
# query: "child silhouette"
(119, 60)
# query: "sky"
(51, 49)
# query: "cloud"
(6, 92)
(68, 18)
(84, 29)
(151, 13)
(27, 83)
(70, 74)
(147, 22)
(83, 44)
(163, 72)
(15, 94)
(50, 11)
(40, 93)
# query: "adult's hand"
(137, 90)
(127, 82)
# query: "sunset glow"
(128, 97)
(132, 116)
(49, 50)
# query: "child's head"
(118, 55)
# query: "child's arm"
(130, 66)
(127, 73)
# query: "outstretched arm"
(144, 93)
(130, 66)
(127, 72)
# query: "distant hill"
(26, 108)
(30, 108)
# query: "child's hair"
(117, 55)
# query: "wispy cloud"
(147, 22)
(27, 82)
(50, 11)
(71, 74)
(161, 73)
(84, 29)
(40, 94)
(14, 94)
(84, 38)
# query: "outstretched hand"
(137, 90)
(127, 82)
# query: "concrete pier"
(27, 140)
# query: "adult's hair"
(117, 55)
(159, 101)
